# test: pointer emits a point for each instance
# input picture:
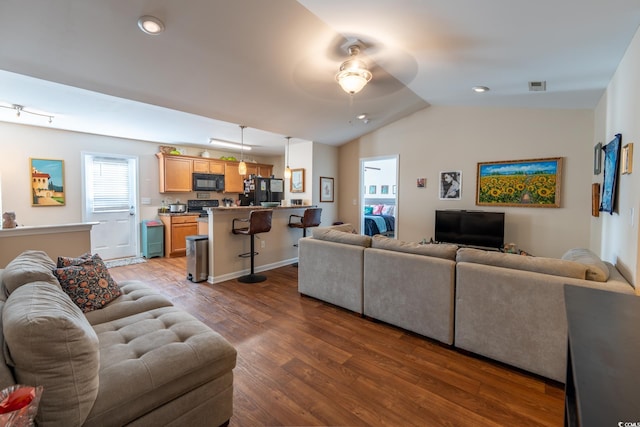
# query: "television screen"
(470, 228)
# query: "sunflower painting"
(523, 183)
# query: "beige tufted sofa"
(138, 361)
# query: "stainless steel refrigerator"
(257, 190)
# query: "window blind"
(110, 186)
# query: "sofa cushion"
(89, 284)
(6, 376)
(597, 270)
(444, 250)
(556, 267)
(332, 235)
(158, 355)
(136, 297)
(50, 343)
(29, 266)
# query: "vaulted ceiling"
(271, 65)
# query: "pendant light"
(287, 170)
(242, 167)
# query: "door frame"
(363, 161)
(134, 192)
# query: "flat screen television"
(470, 228)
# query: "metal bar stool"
(259, 221)
(310, 218)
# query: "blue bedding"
(378, 224)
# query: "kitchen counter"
(276, 247)
(179, 214)
(250, 208)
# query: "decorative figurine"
(9, 220)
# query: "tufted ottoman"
(160, 362)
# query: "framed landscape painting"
(520, 183)
(47, 182)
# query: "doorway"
(110, 183)
(379, 196)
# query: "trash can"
(197, 257)
(152, 238)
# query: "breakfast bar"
(276, 247)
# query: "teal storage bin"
(152, 238)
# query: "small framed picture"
(326, 189)
(384, 189)
(597, 159)
(450, 185)
(47, 182)
(626, 164)
(421, 182)
(372, 189)
(297, 181)
(394, 189)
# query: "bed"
(379, 218)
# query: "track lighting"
(19, 109)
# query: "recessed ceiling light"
(150, 25)
(362, 116)
(480, 89)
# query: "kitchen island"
(275, 248)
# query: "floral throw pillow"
(64, 261)
(89, 284)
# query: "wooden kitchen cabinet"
(233, 181)
(175, 173)
(208, 166)
(177, 228)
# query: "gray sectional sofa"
(503, 306)
(137, 361)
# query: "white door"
(110, 199)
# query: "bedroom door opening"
(379, 196)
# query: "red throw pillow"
(377, 209)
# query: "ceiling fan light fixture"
(353, 75)
(150, 25)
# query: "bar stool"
(310, 218)
(259, 221)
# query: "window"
(109, 184)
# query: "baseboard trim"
(257, 269)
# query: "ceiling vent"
(540, 86)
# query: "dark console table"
(603, 366)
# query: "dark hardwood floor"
(305, 362)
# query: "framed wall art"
(450, 185)
(47, 182)
(384, 189)
(520, 183)
(626, 161)
(597, 158)
(326, 189)
(421, 182)
(297, 181)
(611, 166)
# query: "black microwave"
(208, 182)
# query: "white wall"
(23, 142)
(457, 138)
(325, 164)
(615, 236)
